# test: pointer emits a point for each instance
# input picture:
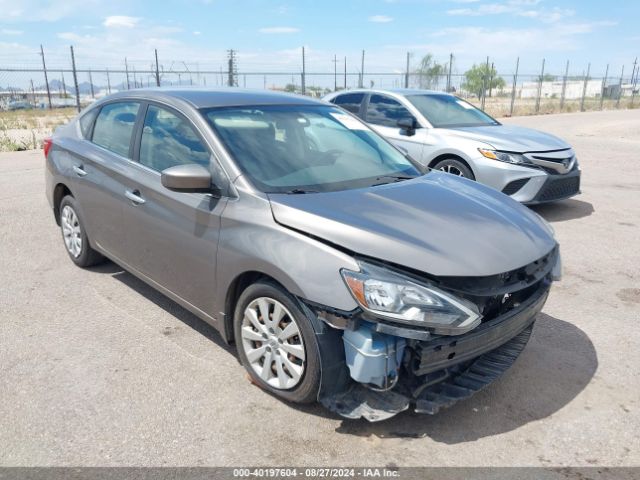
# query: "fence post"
(126, 69)
(157, 69)
(604, 84)
(108, 82)
(406, 75)
(362, 71)
(449, 75)
(513, 91)
(634, 83)
(484, 85)
(91, 85)
(584, 87)
(491, 80)
(303, 78)
(564, 85)
(540, 88)
(620, 88)
(75, 79)
(345, 72)
(46, 78)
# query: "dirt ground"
(96, 368)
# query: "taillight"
(46, 146)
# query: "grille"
(559, 188)
(514, 186)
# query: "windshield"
(449, 111)
(307, 148)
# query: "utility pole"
(406, 75)
(46, 78)
(157, 69)
(303, 78)
(335, 73)
(362, 71)
(232, 80)
(75, 79)
(126, 69)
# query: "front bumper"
(557, 187)
(440, 372)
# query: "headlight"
(506, 157)
(392, 296)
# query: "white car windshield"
(307, 148)
(449, 111)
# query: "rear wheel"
(455, 167)
(74, 235)
(276, 343)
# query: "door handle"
(134, 196)
(80, 171)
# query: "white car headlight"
(507, 157)
(392, 296)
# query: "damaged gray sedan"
(343, 271)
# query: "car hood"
(509, 138)
(438, 224)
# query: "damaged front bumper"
(390, 373)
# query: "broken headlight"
(392, 296)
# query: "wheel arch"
(59, 192)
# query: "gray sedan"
(447, 133)
(343, 271)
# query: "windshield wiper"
(394, 178)
(300, 191)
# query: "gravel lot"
(96, 368)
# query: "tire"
(455, 167)
(74, 235)
(284, 378)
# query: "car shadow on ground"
(557, 364)
(563, 210)
(164, 302)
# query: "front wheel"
(455, 167)
(276, 343)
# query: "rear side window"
(350, 101)
(385, 111)
(114, 126)
(169, 140)
(86, 122)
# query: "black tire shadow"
(563, 210)
(557, 364)
(164, 302)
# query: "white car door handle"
(134, 196)
(80, 171)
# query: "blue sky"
(268, 34)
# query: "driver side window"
(385, 111)
(169, 140)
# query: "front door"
(172, 237)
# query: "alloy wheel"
(451, 169)
(272, 343)
(71, 231)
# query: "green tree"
(290, 87)
(482, 76)
(430, 72)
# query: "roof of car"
(396, 91)
(221, 97)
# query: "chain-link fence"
(60, 81)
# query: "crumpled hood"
(509, 138)
(439, 224)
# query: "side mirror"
(408, 126)
(187, 178)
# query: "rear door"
(382, 114)
(172, 237)
(100, 173)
